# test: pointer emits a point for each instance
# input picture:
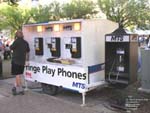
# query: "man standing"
(20, 54)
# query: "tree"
(79, 9)
(142, 15)
(40, 14)
(56, 10)
(10, 2)
(126, 12)
(13, 17)
(50, 12)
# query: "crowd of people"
(5, 52)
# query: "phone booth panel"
(121, 57)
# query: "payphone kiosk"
(38, 41)
(73, 54)
(121, 57)
(53, 44)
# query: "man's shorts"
(16, 69)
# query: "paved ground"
(36, 102)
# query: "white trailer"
(68, 54)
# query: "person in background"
(20, 54)
(7, 52)
(148, 41)
(1, 50)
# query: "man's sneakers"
(15, 92)
(21, 93)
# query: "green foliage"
(79, 9)
(47, 13)
(13, 17)
(40, 14)
(56, 10)
(11, 2)
(126, 12)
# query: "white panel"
(96, 77)
(92, 47)
(72, 77)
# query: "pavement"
(35, 101)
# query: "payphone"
(121, 57)
(54, 45)
(38, 41)
(75, 47)
(120, 52)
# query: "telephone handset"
(53, 44)
(74, 44)
(38, 43)
(120, 59)
(75, 47)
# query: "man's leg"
(17, 70)
(19, 84)
(17, 89)
(18, 80)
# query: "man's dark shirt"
(20, 47)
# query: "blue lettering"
(78, 85)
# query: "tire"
(50, 89)
(44, 87)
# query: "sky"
(49, 1)
(44, 2)
(61, 1)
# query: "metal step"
(125, 75)
(118, 81)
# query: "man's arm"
(27, 56)
(13, 46)
(27, 53)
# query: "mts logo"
(78, 85)
(117, 38)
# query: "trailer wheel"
(44, 87)
(49, 89)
